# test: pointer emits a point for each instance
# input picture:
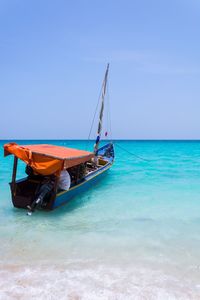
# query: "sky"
(53, 55)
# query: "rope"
(100, 94)
(137, 156)
(88, 139)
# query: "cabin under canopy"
(48, 159)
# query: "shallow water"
(135, 235)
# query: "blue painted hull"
(64, 197)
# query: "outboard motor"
(43, 194)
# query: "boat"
(45, 162)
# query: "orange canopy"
(48, 159)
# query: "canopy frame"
(13, 183)
(48, 159)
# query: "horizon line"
(103, 140)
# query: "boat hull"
(24, 191)
(64, 197)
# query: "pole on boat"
(14, 175)
(101, 110)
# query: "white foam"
(90, 281)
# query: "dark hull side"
(64, 197)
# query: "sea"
(133, 235)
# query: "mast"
(101, 111)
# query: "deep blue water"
(136, 232)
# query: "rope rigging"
(102, 95)
(130, 153)
(101, 98)
(94, 116)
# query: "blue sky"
(53, 55)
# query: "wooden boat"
(47, 161)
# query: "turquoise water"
(135, 235)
